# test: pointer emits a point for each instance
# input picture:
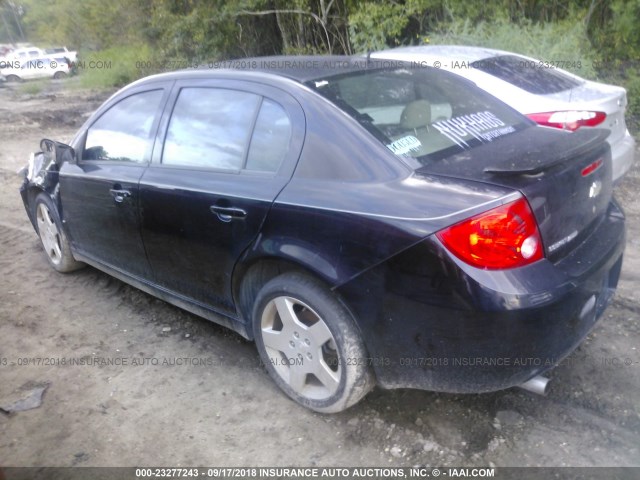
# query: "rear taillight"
(503, 237)
(568, 120)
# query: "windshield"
(421, 114)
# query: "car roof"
(457, 52)
(299, 68)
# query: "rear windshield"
(421, 114)
(530, 75)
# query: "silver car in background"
(546, 94)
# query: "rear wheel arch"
(258, 265)
(249, 279)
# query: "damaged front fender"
(41, 173)
(37, 171)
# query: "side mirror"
(57, 152)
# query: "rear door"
(225, 151)
(99, 193)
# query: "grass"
(114, 67)
(632, 84)
(33, 87)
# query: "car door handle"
(226, 214)
(119, 195)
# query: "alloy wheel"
(49, 233)
(301, 348)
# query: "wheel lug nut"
(307, 342)
(296, 334)
(309, 356)
(292, 344)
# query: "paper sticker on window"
(405, 145)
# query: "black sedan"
(365, 223)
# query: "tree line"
(600, 36)
(203, 30)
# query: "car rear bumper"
(623, 155)
(432, 322)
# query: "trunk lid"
(566, 177)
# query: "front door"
(100, 192)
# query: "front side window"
(123, 133)
(420, 114)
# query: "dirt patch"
(144, 383)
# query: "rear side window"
(421, 114)
(526, 74)
(226, 130)
(123, 133)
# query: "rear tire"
(52, 236)
(12, 78)
(310, 344)
(59, 75)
